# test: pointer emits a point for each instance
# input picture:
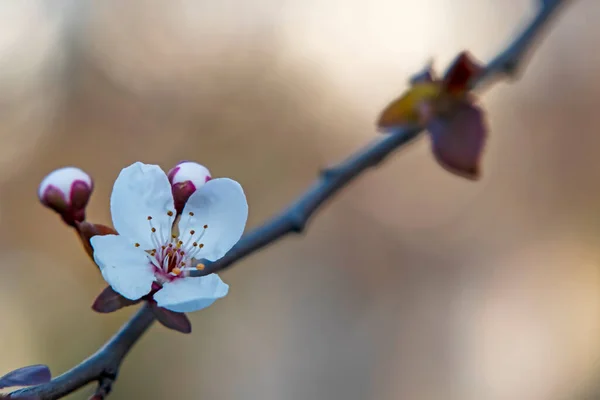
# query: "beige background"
(413, 284)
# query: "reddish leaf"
(460, 73)
(171, 319)
(26, 376)
(458, 141)
(109, 301)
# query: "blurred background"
(412, 284)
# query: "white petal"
(191, 293)
(220, 204)
(125, 267)
(140, 191)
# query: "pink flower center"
(172, 257)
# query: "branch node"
(511, 68)
(104, 388)
(328, 173)
(297, 221)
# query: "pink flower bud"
(67, 191)
(186, 177)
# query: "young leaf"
(171, 319)
(26, 376)
(458, 141)
(462, 71)
(109, 301)
(404, 110)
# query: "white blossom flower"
(156, 249)
(67, 191)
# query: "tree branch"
(103, 366)
(294, 219)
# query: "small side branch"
(103, 366)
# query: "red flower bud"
(67, 191)
(186, 177)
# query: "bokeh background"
(411, 284)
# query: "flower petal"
(191, 293)
(140, 191)
(126, 268)
(221, 206)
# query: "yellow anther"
(195, 244)
(137, 245)
(200, 267)
(201, 245)
(153, 230)
(191, 214)
(176, 271)
(170, 213)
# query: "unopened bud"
(67, 191)
(186, 177)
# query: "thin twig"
(103, 366)
(294, 219)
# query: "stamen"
(170, 213)
(191, 214)
(200, 266)
(176, 271)
(156, 239)
(194, 245)
(137, 245)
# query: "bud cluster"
(67, 191)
